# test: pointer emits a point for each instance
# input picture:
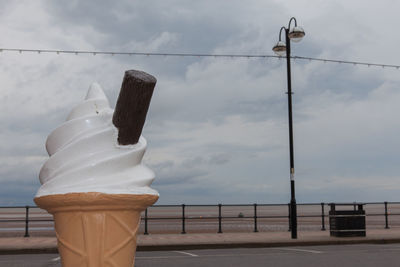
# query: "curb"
(265, 245)
(13, 251)
(52, 250)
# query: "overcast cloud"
(217, 127)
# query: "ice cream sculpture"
(94, 183)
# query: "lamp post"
(295, 34)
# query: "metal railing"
(258, 212)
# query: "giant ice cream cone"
(94, 183)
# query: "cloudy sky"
(217, 127)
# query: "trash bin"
(347, 222)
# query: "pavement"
(157, 242)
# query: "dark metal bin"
(347, 222)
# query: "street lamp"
(295, 34)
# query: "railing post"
(183, 219)
(386, 216)
(255, 218)
(219, 218)
(323, 216)
(290, 222)
(145, 223)
(26, 221)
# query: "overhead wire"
(112, 53)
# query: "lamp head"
(296, 34)
(280, 48)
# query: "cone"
(96, 229)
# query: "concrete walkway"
(15, 245)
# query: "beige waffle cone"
(96, 229)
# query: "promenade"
(154, 242)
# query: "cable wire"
(112, 53)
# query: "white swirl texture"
(86, 157)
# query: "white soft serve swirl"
(85, 155)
